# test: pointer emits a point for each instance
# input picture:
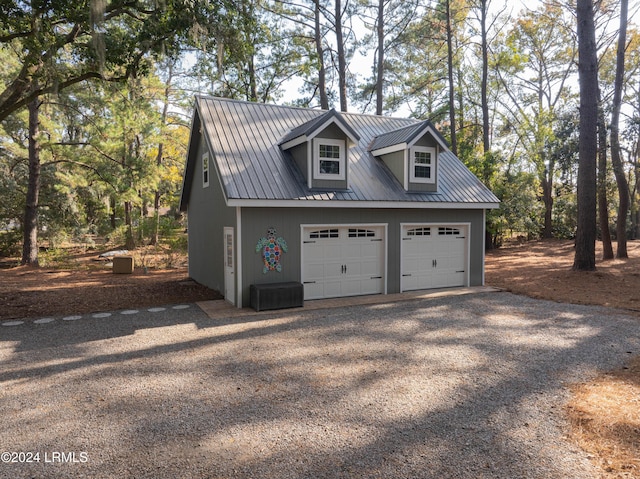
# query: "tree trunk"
(547, 197)
(380, 62)
(112, 215)
(452, 90)
(342, 61)
(163, 119)
(128, 220)
(486, 142)
(322, 74)
(603, 205)
(585, 255)
(616, 160)
(253, 88)
(30, 243)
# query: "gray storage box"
(277, 296)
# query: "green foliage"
(565, 214)
(55, 256)
(68, 42)
(10, 242)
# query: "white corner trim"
(484, 241)
(238, 246)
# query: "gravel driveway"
(459, 387)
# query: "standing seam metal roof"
(404, 135)
(312, 125)
(244, 139)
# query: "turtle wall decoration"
(272, 249)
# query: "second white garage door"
(343, 261)
(434, 256)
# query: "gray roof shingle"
(244, 139)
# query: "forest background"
(97, 97)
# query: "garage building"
(345, 204)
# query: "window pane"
(229, 251)
(329, 151)
(329, 167)
(423, 157)
(333, 233)
(423, 172)
(419, 232)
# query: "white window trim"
(412, 164)
(316, 159)
(206, 179)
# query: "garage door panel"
(433, 257)
(313, 290)
(373, 268)
(369, 285)
(332, 270)
(349, 261)
(314, 271)
(371, 249)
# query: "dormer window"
(422, 169)
(320, 149)
(329, 159)
(412, 155)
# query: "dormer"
(411, 154)
(320, 148)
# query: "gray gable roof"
(311, 127)
(244, 140)
(406, 135)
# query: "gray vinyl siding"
(300, 154)
(330, 185)
(427, 140)
(207, 216)
(396, 163)
(288, 221)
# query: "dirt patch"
(89, 285)
(542, 270)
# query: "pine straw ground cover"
(604, 413)
(75, 280)
(605, 418)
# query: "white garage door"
(433, 256)
(342, 261)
